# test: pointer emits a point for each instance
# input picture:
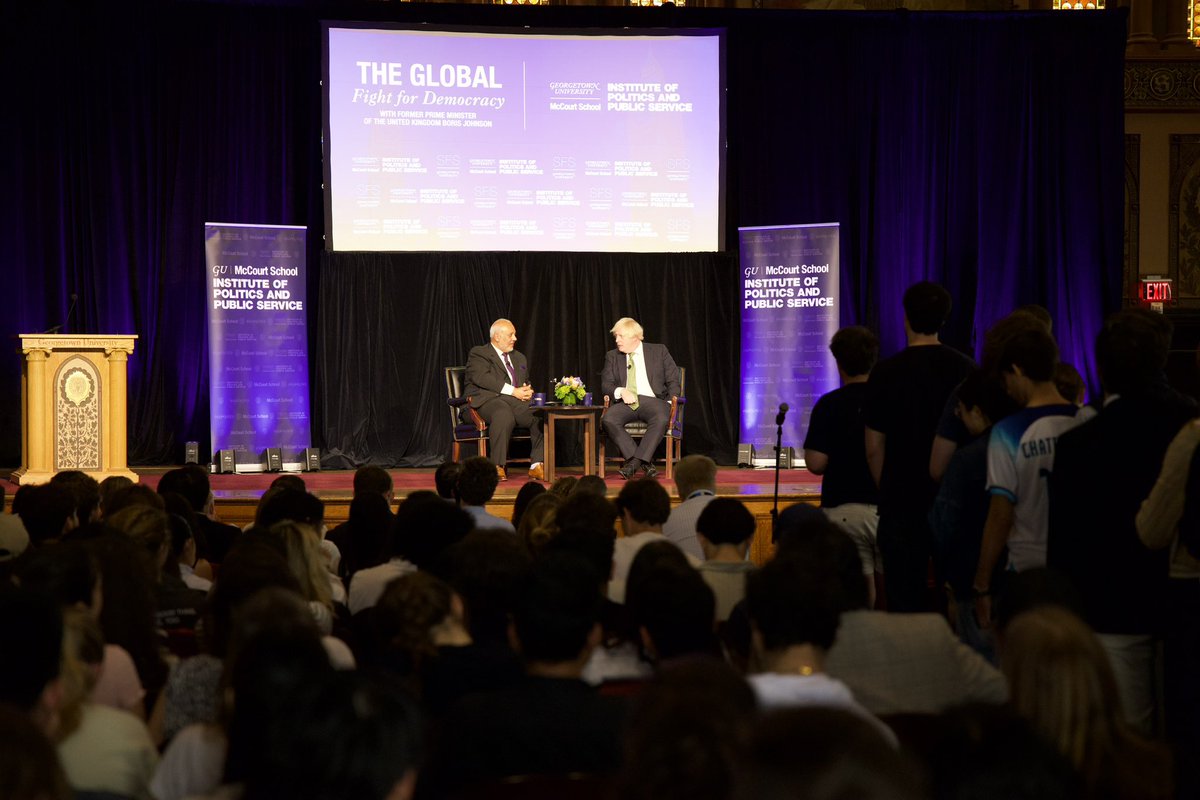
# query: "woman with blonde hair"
(539, 523)
(1060, 679)
(302, 549)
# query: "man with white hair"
(498, 385)
(641, 378)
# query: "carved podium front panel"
(73, 406)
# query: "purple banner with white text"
(789, 299)
(257, 340)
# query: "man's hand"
(628, 396)
(523, 393)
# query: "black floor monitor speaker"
(226, 461)
(272, 459)
(191, 453)
(745, 455)
(312, 459)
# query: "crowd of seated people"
(597, 646)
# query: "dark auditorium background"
(988, 151)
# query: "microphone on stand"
(783, 409)
(67, 319)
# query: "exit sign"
(1155, 290)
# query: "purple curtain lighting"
(981, 151)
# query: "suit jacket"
(662, 373)
(908, 663)
(1103, 470)
(486, 374)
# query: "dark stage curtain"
(389, 324)
(983, 151)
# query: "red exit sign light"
(1156, 290)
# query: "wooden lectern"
(73, 411)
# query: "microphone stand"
(778, 453)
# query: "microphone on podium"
(66, 320)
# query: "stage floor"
(237, 495)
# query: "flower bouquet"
(570, 390)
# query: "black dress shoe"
(649, 470)
(628, 469)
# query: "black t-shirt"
(836, 429)
(905, 398)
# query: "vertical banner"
(257, 341)
(789, 313)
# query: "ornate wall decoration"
(1133, 174)
(1162, 85)
(1183, 220)
(77, 416)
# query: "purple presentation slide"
(454, 140)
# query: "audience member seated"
(85, 494)
(421, 637)
(14, 541)
(307, 511)
(303, 554)
(70, 573)
(696, 483)
(425, 526)
(29, 768)
(346, 737)
(591, 484)
(644, 506)
(109, 487)
(102, 749)
(686, 734)
(539, 522)
(488, 570)
(138, 494)
(525, 495)
(184, 556)
(794, 605)
(255, 563)
(47, 511)
(475, 488)
(176, 605)
(563, 486)
(127, 607)
(273, 648)
(31, 632)
(1061, 680)
(552, 722)
(193, 483)
(725, 530)
(445, 480)
(892, 663)
(825, 752)
(987, 752)
(586, 528)
(671, 606)
(362, 539)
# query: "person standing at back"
(905, 397)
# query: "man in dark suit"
(498, 385)
(641, 378)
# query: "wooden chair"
(637, 429)
(467, 426)
(465, 423)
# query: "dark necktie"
(512, 373)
